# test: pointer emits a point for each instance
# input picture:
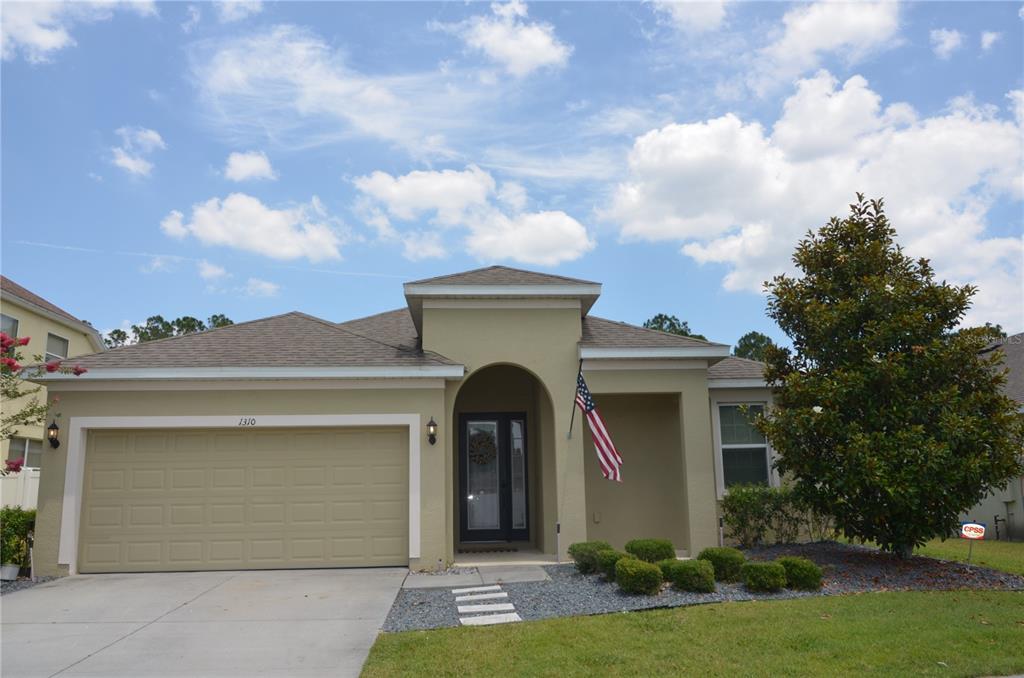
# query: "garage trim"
(78, 428)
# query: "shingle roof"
(736, 368)
(289, 340)
(9, 287)
(1013, 360)
(598, 332)
(394, 327)
(501, 275)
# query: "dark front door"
(492, 477)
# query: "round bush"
(665, 566)
(651, 550)
(764, 577)
(584, 554)
(692, 575)
(801, 573)
(725, 561)
(606, 561)
(637, 576)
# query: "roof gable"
(10, 290)
(501, 275)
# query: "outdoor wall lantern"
(432, 431)
(52, 431)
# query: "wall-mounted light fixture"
(52, 431)
(432, 431)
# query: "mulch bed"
(847, 569)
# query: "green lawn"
(1007, 556)
(899, 634)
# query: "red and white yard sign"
(972, 530)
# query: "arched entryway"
(503, 456)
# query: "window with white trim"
(8, 325)
(26, 448)
(56, 347)
(743, 449)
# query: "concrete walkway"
(484, 575)
(211, 624)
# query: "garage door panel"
(240, 500)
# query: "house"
(1006, 504)
(411, 437)
(56, 334)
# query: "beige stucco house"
(54, 333)
(294, 441)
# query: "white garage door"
(185, 499)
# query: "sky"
(253, 158)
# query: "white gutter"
(660, 352)
(737, 383)
(356, 372)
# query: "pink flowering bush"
(14, 385)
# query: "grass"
(1007, 556)
(963, 633)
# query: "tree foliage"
(19, 398)
(752, 346)
(672, 325)
(886, 416)
(156, 327)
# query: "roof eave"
(737, 383)
(341, 372)
(88, 330)
(713, 353)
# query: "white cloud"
(852, 30)
(243, 222)
(989, 39)
(946, 41)
(468, 201)
(195, 15)
(37, 30)
(251, 165)
(255, 287)
(689, 16)
(230, 11)
(734, 193)
(552, 165)
(510, 40)
(137, 144)
(209, 271)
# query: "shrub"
(725, 561)
(665, 565)
(651, 550)
(584, 554)
(784, 515)
(16, 524)
(801, 573)
(764, 577)
(638, 576)
(692, 575)
(606, 561)
(746, 512)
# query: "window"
(744, 451)
(8, 325)
(56, 347)
(29, 450)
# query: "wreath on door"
(482, 448)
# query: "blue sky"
(253, 158)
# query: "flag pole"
(572, 417)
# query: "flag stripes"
(607, 456)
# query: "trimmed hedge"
(726, 561)
(665, 566)
(692, 575)
(801, 573)
(764, 577)
(606, 561)
(651, 550)
(584, 554)
(638, 576)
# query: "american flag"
(607, 456)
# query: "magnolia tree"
(17, 392)
(886, 415)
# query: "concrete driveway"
(209, 624)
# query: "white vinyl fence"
(20, 489)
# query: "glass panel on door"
(483, 505)
(518, 475)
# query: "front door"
(492, 477)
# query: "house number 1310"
(247, 421)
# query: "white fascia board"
(592, 353)
(567, 290)
(356, 372)
(77, 325)
(737, 383)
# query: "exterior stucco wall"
(426, 402)
(31, 324)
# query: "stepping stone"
(493, 607)
(476, 589)
(480, 596)
(489, 619)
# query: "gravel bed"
(21, 584)
(848, 569)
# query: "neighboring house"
(55, 333)
(1006, 504)
(293, 441)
